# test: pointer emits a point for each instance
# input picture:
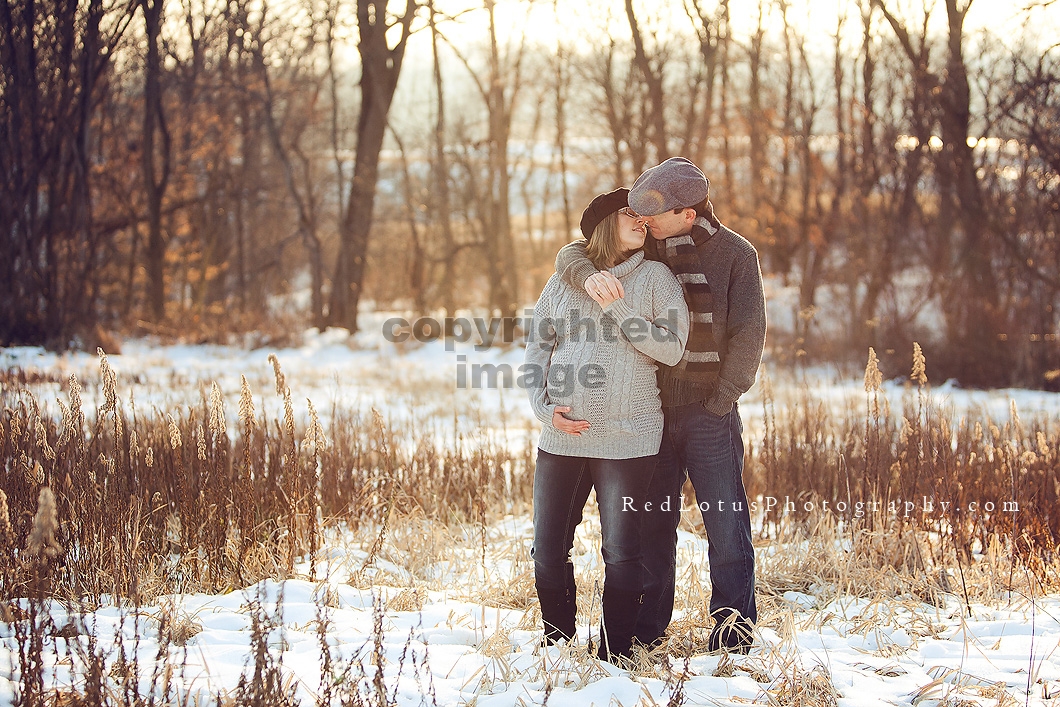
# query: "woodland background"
(201, 169)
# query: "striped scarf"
(701, 361)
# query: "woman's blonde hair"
(604, 250)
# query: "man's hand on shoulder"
(605, 288)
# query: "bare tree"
(710, 33)
(380, 69)
(756, 115)
(335, 123)
(499, 89)
(155, 158)
(417, 257)
(287, 135)
(970, 295)
(776, 211)
(623, 107)
(54, 57)
(723, 103)
(562, 85)
(500, 95)
(812, 239)
(652, 72)
(1026, 185)
(876, 233)
(440, 177)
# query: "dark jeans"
(710, 450)
(561, 487)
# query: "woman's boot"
(621, 608)
(558, 609)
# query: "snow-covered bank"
(334, 369)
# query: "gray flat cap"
(674, 184)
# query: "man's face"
(669, 223)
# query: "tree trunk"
(303, 198)
(970, 295)
(380, 68)
(977, 321)
(155, 179)
(755, 123)
(562, 89)
(502, 256)
(653, 77)
(723, 107)
(354, 230)
(440, 177)
(709, 33)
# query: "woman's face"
(630, 230)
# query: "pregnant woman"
(601, 415)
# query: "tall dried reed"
(932, 486)
(172, 501)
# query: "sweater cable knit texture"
(571, 333)
(738, 319)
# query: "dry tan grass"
(177, 628)
(410, 599)
(142, 506)
(798, 687)
(956, 688)
(237, 509)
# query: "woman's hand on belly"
(563, 424)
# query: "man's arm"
(573, 266)
(746, 325)
(575, 269)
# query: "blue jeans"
(561, 487)
(709, 449)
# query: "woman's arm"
(664, 337)
(540, 343)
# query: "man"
(722, 282)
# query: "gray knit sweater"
(602, 363)
(739, 317)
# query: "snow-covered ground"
(334, 369)
(451, 645)
(445, 637)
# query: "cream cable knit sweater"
(602, 363)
